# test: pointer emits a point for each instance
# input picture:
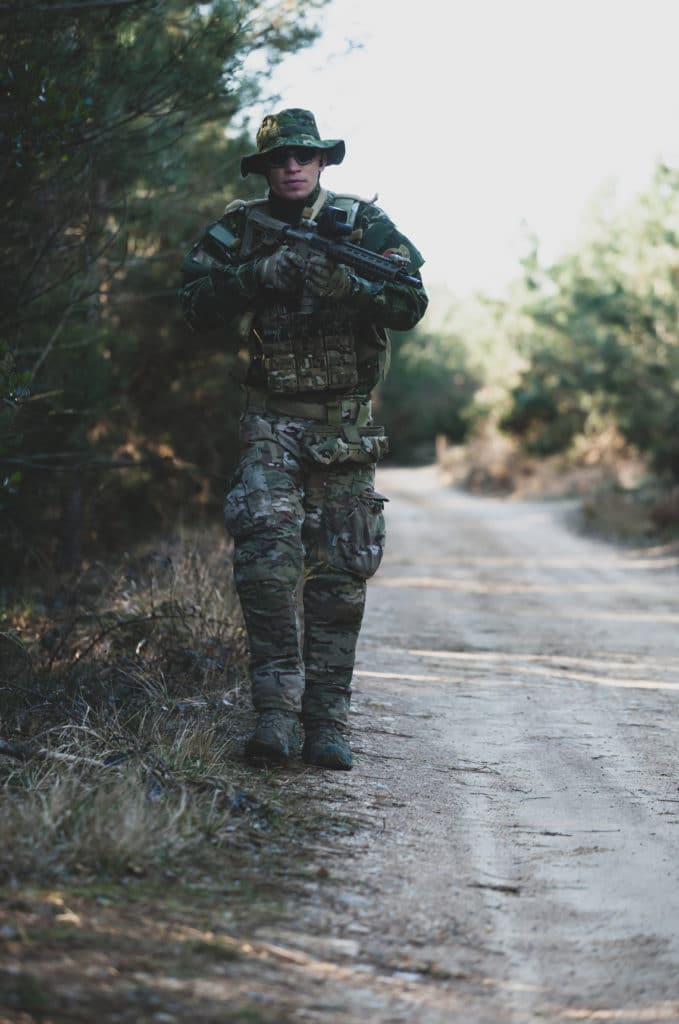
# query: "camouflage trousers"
(308, 530)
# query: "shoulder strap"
(311, 212)
(358, 199)
(242, 204)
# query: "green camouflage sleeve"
(213, 292)
(397, 306)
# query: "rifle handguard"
(326, 236)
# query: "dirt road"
(516, 724)
(506, 850)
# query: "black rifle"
(327, 235)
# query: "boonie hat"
(291, 127)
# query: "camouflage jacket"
(214, 296)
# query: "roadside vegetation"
(139, 853)
(121, 700)
(117, 155)
(124, 704)
(568, 385)
(131, 831)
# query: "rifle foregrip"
(366, 263)
(371, 266)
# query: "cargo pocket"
(262, 491)
(357, 542)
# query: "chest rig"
(301, 343)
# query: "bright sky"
(474, 118)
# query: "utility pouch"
(303, 352)
(336, 444)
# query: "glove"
(328, 280)
(282, 270)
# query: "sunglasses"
(300, 154)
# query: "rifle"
(326, 235)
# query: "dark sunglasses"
(300, 154)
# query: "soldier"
(307, 523)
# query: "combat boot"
(273, 738)
(325, 746)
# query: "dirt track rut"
(515, 726)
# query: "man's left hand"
(327, 279)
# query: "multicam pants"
(308, 533)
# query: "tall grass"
(122, 705)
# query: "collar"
(291, 210)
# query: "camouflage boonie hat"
(292, 127)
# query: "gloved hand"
(327, 279)
(282, 270)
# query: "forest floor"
(506, 849)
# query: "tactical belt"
(340, 412)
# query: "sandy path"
(516, 724)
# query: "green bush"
(429, 391)
(600, 335)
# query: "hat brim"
(256, 163)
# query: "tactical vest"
(306, 344)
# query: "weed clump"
(122, 705)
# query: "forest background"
(123, 131)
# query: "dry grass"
(649, 513)
(619, 497)
(493, 463)
(122, 711)
(83, 802)
(135, 844)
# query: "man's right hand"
(283, 270)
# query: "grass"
(123, 710)
(134, 840)
(647, 514)
(619, 497)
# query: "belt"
(338, 412)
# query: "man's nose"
(292, 161)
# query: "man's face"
(293, 171)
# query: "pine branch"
(72, 8)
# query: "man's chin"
(296, 192)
